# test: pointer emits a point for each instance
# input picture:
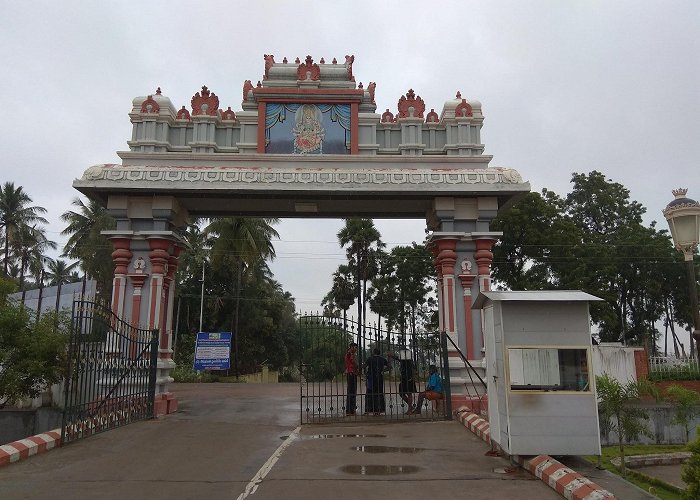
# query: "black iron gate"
(323, 343)
(111, 372)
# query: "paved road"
(227, 434)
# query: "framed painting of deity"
(307, 128)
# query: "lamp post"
(683, 216)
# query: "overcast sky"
(566, 86)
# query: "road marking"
(252, 486)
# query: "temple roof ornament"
(183, 114)
(463, 109)
(388, 116)
(150, 105)
(247, 87)
(205, 103)
(228, 114)
(371, 88)
(432, 117)
(269, 61)
(411, 106)
(348, 62)
(309, 70)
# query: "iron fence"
(110, 375)
(389, 395)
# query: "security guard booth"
(541, 390)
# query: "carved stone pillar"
(467, 281)
(446, 258)
(484, 258)
(121, 257)
(159, 264)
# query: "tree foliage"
(87, 244)
(686, 405)
(32, 353)
(594, 240)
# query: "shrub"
(691, 471)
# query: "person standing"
(407, 384)
(351, 373)
(376, 365)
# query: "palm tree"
(87, 244)
(59, 272)
(30, 245)
(16, 212)
(363, 243)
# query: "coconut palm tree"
(363, 242)
(16, 211)
(59, 272)
(30, 245)
(87, 244)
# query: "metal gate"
(110, 375)
(323, 343)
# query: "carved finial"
(158, 91)
(309, 60)
(297, 60)
(360, 86)
(284, 61)
(259, 84)
(459, 95)
(410, 94)
(335, 61)
(322, 61)
(680, 192)
(205, 91)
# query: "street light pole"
(201, 302)
(683, 216)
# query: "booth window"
(548, 369)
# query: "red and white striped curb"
(475, 423)
(24, 448)
(567, 482)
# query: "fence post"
(446, 375)
(153, 371)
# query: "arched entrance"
(307, 142)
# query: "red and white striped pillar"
(159, 262)
(446, 258)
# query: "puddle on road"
(333, 436)
(379, 470)
(386, 449)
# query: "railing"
(672, 368)
(470, 370)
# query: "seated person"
(433, 391)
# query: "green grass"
(656, 487)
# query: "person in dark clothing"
(376, 365)
(351, 372)
(407, 383)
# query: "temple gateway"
(307, 141)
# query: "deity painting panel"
(307, 128)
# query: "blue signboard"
(212, 351)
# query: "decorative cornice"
(325, 177)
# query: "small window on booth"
(548, 369)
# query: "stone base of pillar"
(164, 404)
(163, 378)
(160, 405)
